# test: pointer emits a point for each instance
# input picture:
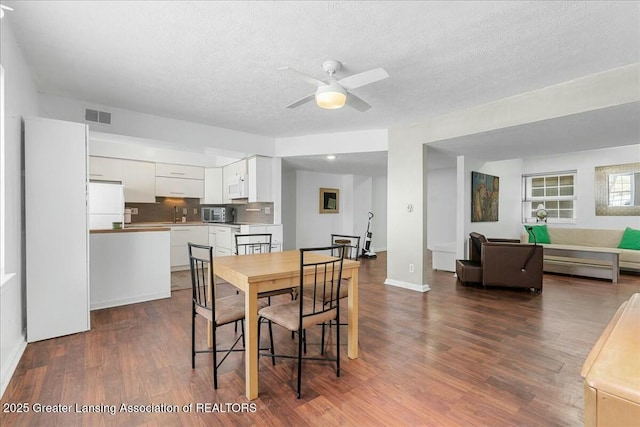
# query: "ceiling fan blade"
(302, 100)
(357, 103)
(305, 77)
(364, 78)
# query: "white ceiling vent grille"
(97, 116)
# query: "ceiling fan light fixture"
(331, 96)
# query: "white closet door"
(57, 235)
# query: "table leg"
(615, 267)
(251, 342)
(352, 316)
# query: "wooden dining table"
(257, 273)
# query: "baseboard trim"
(10, 368)
(407, 285)
(130, 300)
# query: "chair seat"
(287, 315)
(228, 309)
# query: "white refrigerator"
(106, 205)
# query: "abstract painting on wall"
(485, 190)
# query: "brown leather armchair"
(501, 263)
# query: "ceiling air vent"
(97, 116)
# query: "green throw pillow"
(630, 239)
(540, 231)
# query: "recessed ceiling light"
(331, 157)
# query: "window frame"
(529, 201)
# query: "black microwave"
(221, 214)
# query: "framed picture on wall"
(329, 200)
(485, 190)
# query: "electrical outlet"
(411, 268)
(195, 211)
(184, 211)
(134, 211)
(267, 210)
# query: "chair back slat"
(320, 279)
(351, 244)
(201, 263)
(254, 243)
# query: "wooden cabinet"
(213, 186)
(137, 177)
(610, 372)
(179, 171)
(260, 177)
(180, 236)
(177, 187)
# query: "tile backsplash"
(163, 211)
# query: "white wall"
(289, 209)
(441, 207)
(585, 162)
(509, 224)
(172, 132)
(379, 209)
(313, 228)
(343, 142)
(20, 102)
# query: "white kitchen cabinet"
(180, 236)
(139, 181)
(230, 175)
(213, 186)
(260, 176)
(137, 177)
(57, 247)
(225, 240)
(178, 187)
(105, 169)
(179, 171)
(274, 229)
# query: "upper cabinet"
(260, 177)
(137, 177)
(179, 181)
(105, 169)
(233, 177)
(179, 171)
(139, 181)
(213, 186)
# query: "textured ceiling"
(217, 62)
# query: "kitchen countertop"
(130, 229)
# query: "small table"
(608, 270)
(257, 273)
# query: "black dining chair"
(320, 278)
(218, 311)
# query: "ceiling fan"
(333, 93)
(3, 8)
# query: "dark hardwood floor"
(454, 356)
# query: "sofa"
(587, 237)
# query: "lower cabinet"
(224, 239)
(181, 235)
(274, 229)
